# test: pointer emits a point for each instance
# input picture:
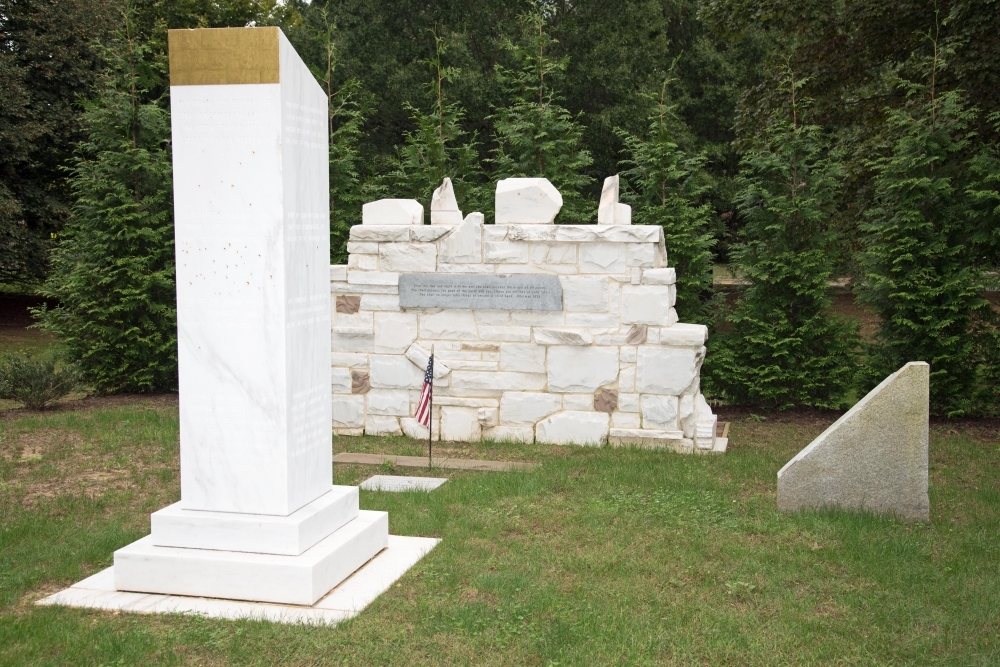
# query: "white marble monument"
(259, 518)
(561, 334)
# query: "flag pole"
(430, 414)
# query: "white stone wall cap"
(586, 233)
(380, 233)
(391, 212)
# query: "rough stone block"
(407, 257)
(573, 428)
(418, 356)
(609, 211)
(460, 424)
(449, 324)
(414, 429)
(629, 420)
(444, 206)
(664, 370)
(393, 212)
(341, 380)
(581, 369)
(659, 412)
(338, 272)
(641, 254)
(563, 337)
(395, 402)
(499, 381)
(526, 408)
(527, 201)
(394, 372)
(394, 332)
(372, 278)
(666, 276)
(606, 400)
(648, 304)
(874, 458)
(429, 234)
(522, 357)
(505, 252)
(587, 294)
(381, 425)
(348, 411)
(465, 244)
(681, 334)
(509, 434)
(602, 257)
(380, 233)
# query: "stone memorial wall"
(562, 334)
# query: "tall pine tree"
(535, 136)
(669, 186)
(113, 266)
(782, 345)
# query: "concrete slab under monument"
(874, 458)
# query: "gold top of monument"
(214, 56)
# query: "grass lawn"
(600, 556)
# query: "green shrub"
(35, 382)
(113, 265)
(781, 345)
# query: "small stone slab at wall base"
(345, 601)
(874, 458)
(650, 439)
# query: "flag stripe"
(423, 414)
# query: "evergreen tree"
(534, 135)
(669, 185)
(782, 346)
(113, 267)
(931, 225)
(438, 147)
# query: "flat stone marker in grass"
(874, 458)
(397, 484)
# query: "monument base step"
(343, 602)
(289, 535)
(144, 567)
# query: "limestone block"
(489, 417)
(618, 437)
(464, 365)
(637, 335)
(414, 429)
(659, 276)
(419, 356)
(536, 318)
(505, 252)
(523, 357)
(449, 324)
(358, 248)
(626, 378)
(510, 334)
(407, 257)
(585, 294)
(353, 432)
(573, 428)
(466, 268)
(582, 402)
(363, 262)
(338, 272)
(581, 369)
(382, 425)
(494, 233)
(363, 289)
(648, 304)
(388, 302)
(665, 370)
(499, 381)
(641, 254)
(394, 332)
(681, 334)
(348, 359)
(874, 458)
(347, 339)
(389, 402)
(544, 254)
(466, 402)
(687, 414)
(394, 372)
(444, 207)
(393, 212)
(465, 244)
(625, 420)
(659, 412)
(627, 354)
(563, 336)
(609, 211)
(628, 403)
(524, 408)
(380, 233)
(348, 411)
(341, 380)
(428, 234)
(602, 257)
(461, 424)
(509, 434)
(372, 278)
(527, 201)
(606, 321)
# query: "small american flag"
(424, 404)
